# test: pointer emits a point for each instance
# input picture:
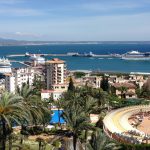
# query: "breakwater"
(69, 55)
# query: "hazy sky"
(100, 20)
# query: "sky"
(75, 20)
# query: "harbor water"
(86, 63)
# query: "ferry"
(136, 55)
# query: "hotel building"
(18, 77)
(55, 79)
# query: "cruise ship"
(136, 55)
(5, 65)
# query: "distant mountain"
(6, 40)
(13, 42)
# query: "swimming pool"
(55, 118)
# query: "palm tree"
(37, 109)
(33, 103)
(11, 110)
(38, 84)
(88, 104)
(77, 121)
(102, 98)
(77, 107)
(99, 141)
(79, 100)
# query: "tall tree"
(145, 93)
(77, 121)
(77, 107)
(38, 84)
(71, 85)
(105, 84)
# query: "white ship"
(5, 65)
(90, 54)
(37, 59)
(72, 54)
(27, 54)
(136, 55)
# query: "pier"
(21, 62)
(65, 55)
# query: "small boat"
(72, 54)
(27, 54)
(76, 54)
(90, 54)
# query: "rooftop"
(55, 61)
(127, 85)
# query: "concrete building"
(92, 81)
(54, 94)
(124, 90)
(18, 77)
(55, 74)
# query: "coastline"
(110, 72)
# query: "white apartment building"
(18, 77)
(55, 79)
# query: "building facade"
(55, 74)
(124, 90)
(18, 77)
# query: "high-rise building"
(18, 77)
(55, 74)
(55, 79)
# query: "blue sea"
(86, 63)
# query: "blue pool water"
(55, 118)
